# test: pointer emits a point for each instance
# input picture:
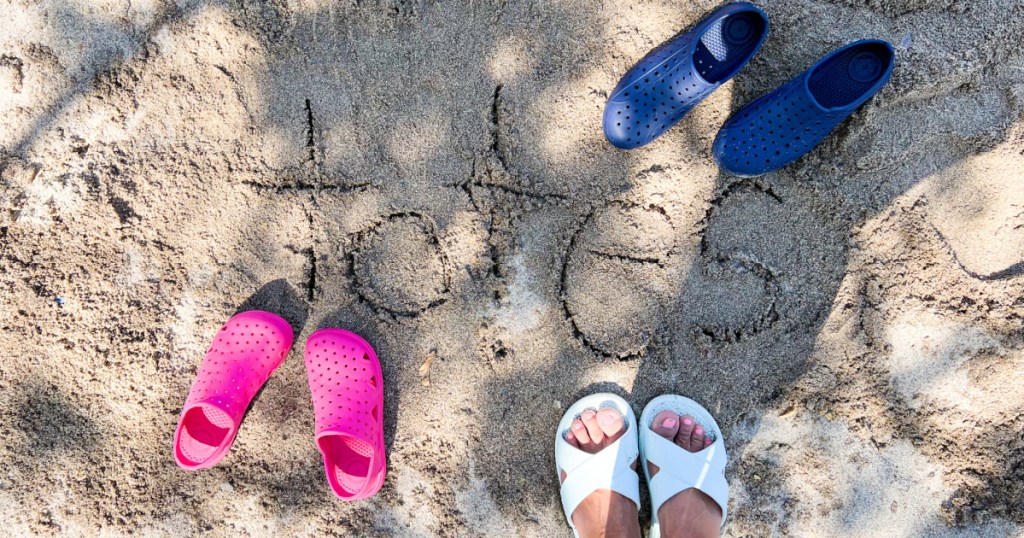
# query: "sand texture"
(433, 175)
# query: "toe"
(665, 424)
(611, 423)
(580, 432)
(697, 440)
(707, 441)
(686, 427)
(571, 439)
(589, 418)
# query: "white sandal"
(608, 469)
(680, 469)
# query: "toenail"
(607, 419)
(669, 422)
(577, 426)
(687, 422)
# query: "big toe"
(665, 424)
(611, 422)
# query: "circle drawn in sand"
(614, 279)
(399, 265)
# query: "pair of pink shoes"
(348, 399)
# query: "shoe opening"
(204, 431)
(844, 78)
(348, 462)
(728, 44)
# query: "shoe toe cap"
(729, 156)
(621, 126)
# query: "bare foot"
(689, 513)
(604, 512)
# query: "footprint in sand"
(614, 281)
(399, 266)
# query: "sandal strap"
(608, 469)
(679, 470)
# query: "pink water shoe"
(248, 348)
(348, 401)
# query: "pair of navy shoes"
(765, 135)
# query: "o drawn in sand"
(399, 267)
(614, 279)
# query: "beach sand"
(433, 175)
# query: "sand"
(433, 175)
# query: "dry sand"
(434, 175)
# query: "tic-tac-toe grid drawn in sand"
(160, 162)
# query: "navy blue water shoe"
(785, 124)
(655, 93)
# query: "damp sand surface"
(433, 176)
